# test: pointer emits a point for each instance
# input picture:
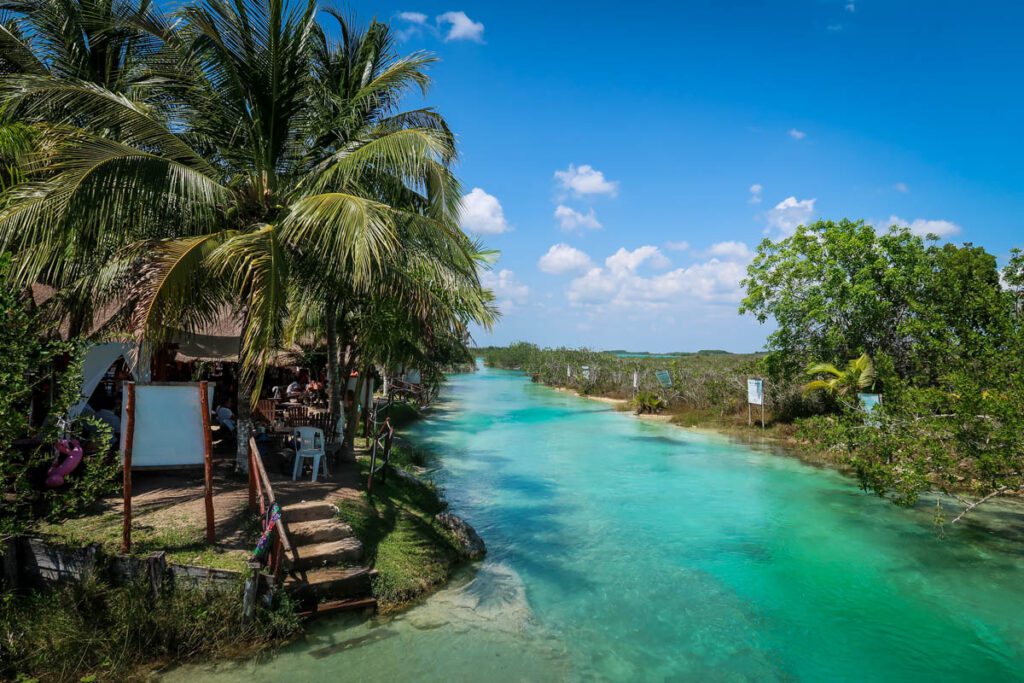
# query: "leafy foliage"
(944, 327)
(27, 365)
(649, 403)
(859, 374)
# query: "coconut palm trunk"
(333, 371)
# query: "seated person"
(277, 393)
(225, 417)
(294, 390)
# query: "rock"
(470, 543)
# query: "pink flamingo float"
(72, 450)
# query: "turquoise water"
(631, 551)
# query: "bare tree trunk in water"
(243, 426)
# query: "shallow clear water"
(625, 550)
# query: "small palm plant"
(859, 374)
(648, 402)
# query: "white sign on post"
(755, 391)
(636, 379)
(755, 396)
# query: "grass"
(91, 631)
(410, 551)
(184, 543)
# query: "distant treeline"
(706, 380)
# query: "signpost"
(755, 396)
(868, 403)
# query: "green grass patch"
(184, 543)
(410, 551)
(92, 631)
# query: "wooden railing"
(261, 498)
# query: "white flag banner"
(755, 391)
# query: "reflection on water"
(625, 550)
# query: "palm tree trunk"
(243, 426)
(333, 372)
(352, 419)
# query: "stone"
(470, 543)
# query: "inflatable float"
(72, 452)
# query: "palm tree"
(236, 173)
(859, 374)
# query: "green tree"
(255, 166)
(839, 289)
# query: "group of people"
(302, 389)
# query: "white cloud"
(924, 227)
(681, 245)
(789, 213)
(797, 134)
(413, 17)
(619, 286)
(731, 250)
(628, 261)
(508, 291)
(571, 219)
(482, 213)
(461, 27)
(851, 7)
(584, 180)
(901, 187)
(755, 193)
(561, 258)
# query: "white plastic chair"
(309, 443)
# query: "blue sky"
(626, 158)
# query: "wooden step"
(340, 606)
(332, 583)
(318, 531)
(308, 510)
(346, 551)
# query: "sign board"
(636, 379)
(664, 378)
(755, 391)
(869, 401)
(586, 372)
(168, 425)
(755, 396)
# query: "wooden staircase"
(326, 573)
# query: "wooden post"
(204, 409)
(156, 569)
(12, 573)
(252, 582)
(252, 478)
(367, 401)
(129, 439)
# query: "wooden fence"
(262, 499)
